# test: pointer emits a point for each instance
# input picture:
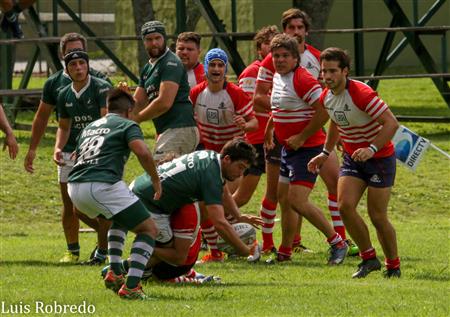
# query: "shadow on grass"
(35, 263)
(441, 276)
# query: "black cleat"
(389, 273)
(93, 262)
(367, 266)
(337, 253)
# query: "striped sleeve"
(306, 86)
(267, 70)
(243, 104)
(366, 99)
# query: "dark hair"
(287, 42)
(336, 54)
(294, 13)
(119, 101)
(238, 149)
(190, 37)
(71, 37)
(264, 35)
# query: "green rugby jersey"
(168, 67)
(192, 177)
(82, 107)
(102, 149)
(59, 80)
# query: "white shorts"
(97, 198)
(178, 141)
(162, 221)
(63, 171)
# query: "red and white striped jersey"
(196, 75)
(247, 81)
(292, 97)
(185, 224)
(355, 112)
(308, 60)
(214, 113)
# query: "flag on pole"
(409, 147)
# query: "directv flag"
(409, 147)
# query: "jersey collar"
(157, 60)
(78, 94)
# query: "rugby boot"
(367, 266)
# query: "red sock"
(336, 239)
(286, 251)
(210, 234)
(338, 224)
(392, 264)
(268, 213)
(368, 254)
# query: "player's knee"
(345, 207)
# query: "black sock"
(74, 248)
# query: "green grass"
(32, 241)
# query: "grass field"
(32, 241)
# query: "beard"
(156, 51)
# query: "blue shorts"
(376, 172)
(294, 166)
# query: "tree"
(319, 11)
(143, 12)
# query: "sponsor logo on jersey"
(171, 64)
(346, 107)
(222, 105)
(103, 90)
(341, 119)
(212, 115)
(68, 105)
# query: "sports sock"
(74, 248)
(268, 213)
(116, 243)
(392, 263)
(286, 251)
(338, 224)
(141, 250)
(368, 254)
(210, 234)
(183, 280)
(336, 239)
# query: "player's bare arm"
(140, 149)
(316, 162)
(318, 120)
(62, 136)
(38, 126)
(389, 125)
(161, 104)
(226, 231)
(261, 98)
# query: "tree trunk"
(193, 15)
(319, 11)
(143, 12)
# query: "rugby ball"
(246, 233)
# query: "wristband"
(373, 148)
(325, 152)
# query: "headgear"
(153, 27)
(215, 53)
(75, 55)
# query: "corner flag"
(409, 147)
